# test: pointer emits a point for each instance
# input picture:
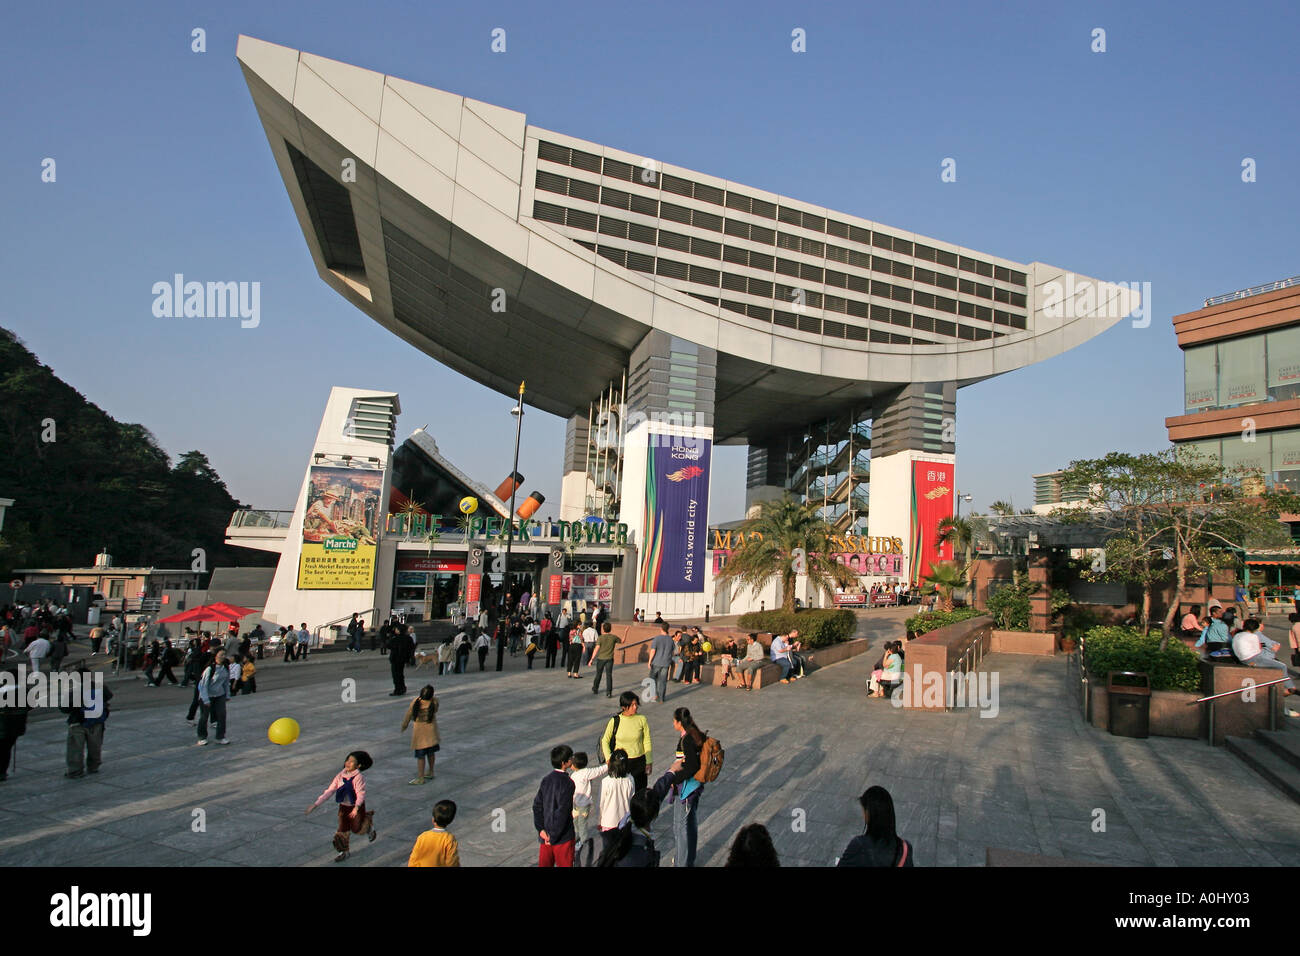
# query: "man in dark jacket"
(13, 724)
(400, 653)
(553, 811)
(86, 727)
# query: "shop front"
(426, 586)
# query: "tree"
(945, 577)
(786, 538)
(965, 535)
(1002, 508)
(1174, 515)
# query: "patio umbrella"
(232, 608)
(204, 612)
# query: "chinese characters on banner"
(932, 490)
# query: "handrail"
(1239, 690)
(345, 617)
(1253, 290)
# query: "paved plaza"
(1030, 779)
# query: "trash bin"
(1129, 704)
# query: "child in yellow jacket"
(437, 847)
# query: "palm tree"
(961, 533)
(945, 577)
(1002, 508)
(785, 527)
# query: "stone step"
(1285, 742)
(1265, 761)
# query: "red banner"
(932, 491)
(474, 589)
(850, 600)
(554, 590)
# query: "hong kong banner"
(932, 485)
(676, 514)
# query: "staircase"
(1274, 755)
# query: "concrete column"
(574, 486)
(667, 470)
(1040, 602)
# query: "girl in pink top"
(349, 789)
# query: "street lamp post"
(510, 518)
(960, 498)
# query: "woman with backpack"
(880, 844)
(684, 786)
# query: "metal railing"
(1253, 290)
(261, 519)
(969, 661)
(1272, 703)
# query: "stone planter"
(1170, 714)
(1024, 642)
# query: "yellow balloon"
(468, 505)
(283, 731)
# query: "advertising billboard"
(339, 529)
(676, 514)
(932, 490)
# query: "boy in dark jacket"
(553, 811)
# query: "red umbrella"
(232, 608)
(205, 612)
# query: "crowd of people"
(1220, 637)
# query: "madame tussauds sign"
(840, 543)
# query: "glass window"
(1284, 364)
(1241, 453)
(1241, 371)
(1199, 388)
(117, 588)
(1203, 449)
(1286, 458)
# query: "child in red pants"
(349, 789)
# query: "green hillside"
(99, 483)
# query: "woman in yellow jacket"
(424, 733)
(631, 735)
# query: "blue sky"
(1123, 165)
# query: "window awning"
(1274, 556)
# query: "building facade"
(1241, 381)
(682, 309)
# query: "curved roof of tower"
(509, 252)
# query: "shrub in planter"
(1128, 649)
(933, 620)
(817, 628)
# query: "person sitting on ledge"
(1255, 650)
(1192, 625)
(754, 657)
(1215, 636)
(781, 655)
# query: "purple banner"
(676, 514)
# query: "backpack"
(711, 755)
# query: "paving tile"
(1027, 779)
